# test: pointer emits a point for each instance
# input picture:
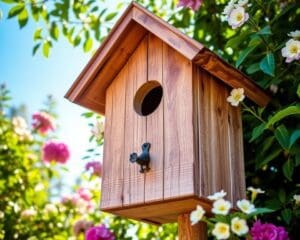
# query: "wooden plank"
(222, 174)
(186, 231)
(231, 76)
(185, 45)
(203, 96)
(237, 153)
(154, 179)
(135, 126)
(96, 90)
(112, 186)
(178, 124)
(100, 57)
(167, 210)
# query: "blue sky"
(30, 79)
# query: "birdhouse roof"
(122, 41)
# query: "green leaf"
(261, 211)
(88, 44)
(297, 159)
(253, 68)
(15, 10)
(288, 169)
(46, 48)
(265, 31)
(236, 40)
(23, 18)
(282, 136)
(35, 48)
(54, 31)
(294, 137)
(267, 64)
(110, 16)
(287, 215)
(257, 131)
(37, 34)
(245, 53)
(298, 91)
(269, 158)
(87, 114)
(291, 110)
(77, 40)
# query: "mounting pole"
(188, 232)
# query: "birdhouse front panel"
(168, 129)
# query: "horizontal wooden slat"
(161, 212)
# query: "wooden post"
(188, 232)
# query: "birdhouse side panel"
(154, 179)
(179, 158)
(135, 126)
(112, 179)
(221, 163)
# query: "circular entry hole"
(148, 98)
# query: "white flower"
(98, 129)
(217, 195)
(1, 214)
(246, 206)
(21, 128)
(221, 231)
(236, 96)
(28, 213)
(239, 226)
(295, 34)
(242, 3)
(221, 207)
(229, 7)
(50, 208)
(291, 51)
(197, 215)
(237, 17)
(254, 192)
(297, 199)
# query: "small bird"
(143, 159)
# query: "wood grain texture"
(221, 163)
(237, 153)
(154, 179)
(186, 231)
(231, 76)
(178, 124)
(112, 180)
(166, 211)
(185, 45)
(96, 91)
(135, 126)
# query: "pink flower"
(43, 122)
(267, 231)
(55, 151)
(192, 4)
(99, 233)
(81, 226)
(84, 194)
(95, 166)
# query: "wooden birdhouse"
(171, 138)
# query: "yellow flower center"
(223, 229)
(239, 17)
(237, 226)
(237, 97)
(294, 49)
